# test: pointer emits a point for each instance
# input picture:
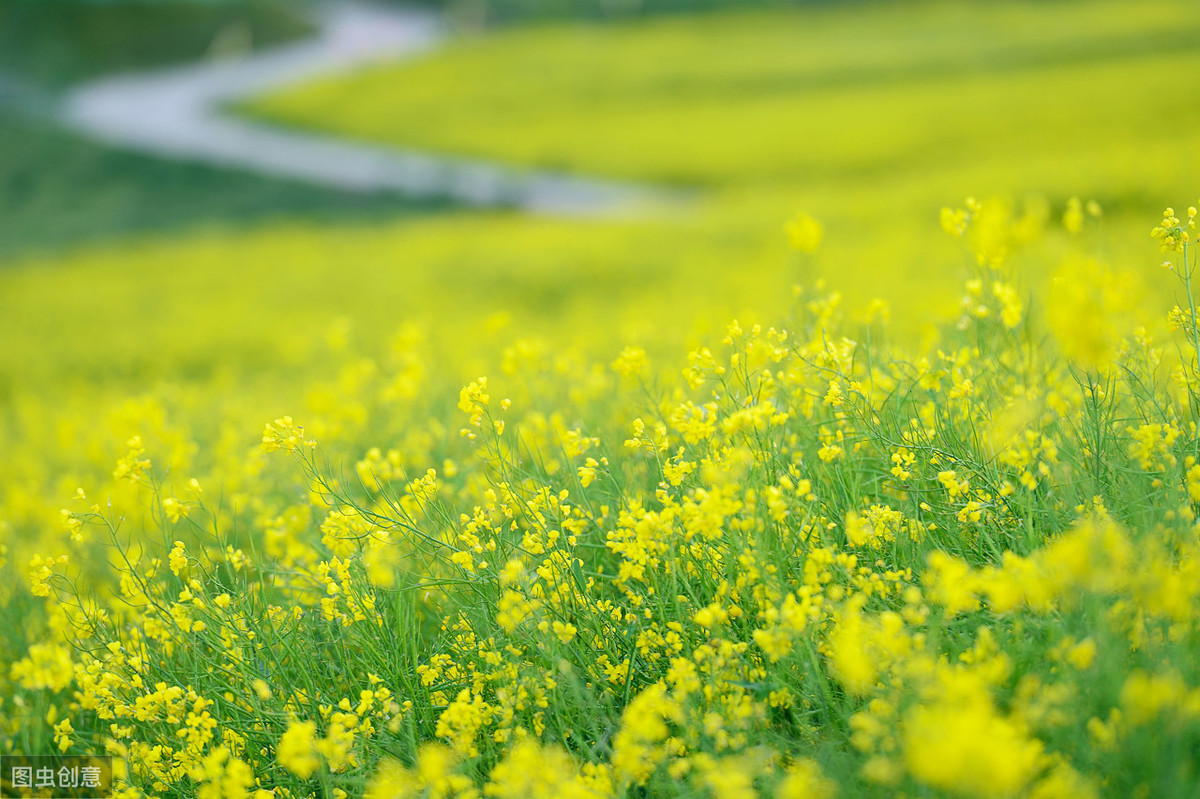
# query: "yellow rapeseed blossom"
(962, 745)
(222, 776)
(804, 233)
(297, 749)
(631, 363)
(174, 509)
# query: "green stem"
(1192, 310)
(1187, 283)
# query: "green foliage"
(59, 41)
(59, 190)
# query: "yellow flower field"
(796, 561)
(833, 482)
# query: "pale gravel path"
(178, 113)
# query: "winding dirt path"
(179, 113)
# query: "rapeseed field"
(826, 484)
(798, 561)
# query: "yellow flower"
(62, 734)
(804, 780)
(133, 466)
(223, 776)
(1073, 216)
(286, 435)
(297, 749)
(41, 570)
(804, 232)
(640, 744)
(851, 659)
(631, 363)
(954, 486)
(587, 472)
(532, 771)
(711, 615)
(1083, 654)
(834, 397)
(473, 400)
(178, 560)
(174, 509)
(858, 530)
(950, 583)
(564, 632)
(1170, 233)
(460, 722)
(1144, 696)
(960, 744)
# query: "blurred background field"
(870, 122)
(808, 97)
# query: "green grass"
(58, 190)
(55, 42)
